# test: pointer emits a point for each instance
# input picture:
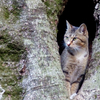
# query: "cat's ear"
(83, 30)
(69, 26)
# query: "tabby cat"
(74, 57)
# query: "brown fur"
(74, 58)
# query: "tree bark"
(45, 80)
(29, 30)
(27, 22)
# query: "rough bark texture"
(45, 78)
(26, 24)
(24, 27)
(11, 49)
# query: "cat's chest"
(81, 57)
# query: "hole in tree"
(77, 12)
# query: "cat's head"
(76, 36)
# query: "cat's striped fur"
(74, 57)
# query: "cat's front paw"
(73, 95)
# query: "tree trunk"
(28, 49)
(45, 80)
(27, 25)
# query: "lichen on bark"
(45, 79)
(11, 50)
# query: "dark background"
(77, 12)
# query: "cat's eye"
(66, 37)
(74, 38)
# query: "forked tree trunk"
(43, 78)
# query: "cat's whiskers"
(74, 58)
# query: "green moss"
(14, 12)
(97, 55)
(53, 9)
(16, 8)
(58, 1)
(98, 67)
(4, 38)
(95, 96)
(47, 3)
(6, 13)
(9, 81)
(11, 50)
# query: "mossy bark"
(11, 50)
(24, 27)
(45, 80)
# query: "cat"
(74, 58)
(77, 12)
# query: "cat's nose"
(68, 44)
